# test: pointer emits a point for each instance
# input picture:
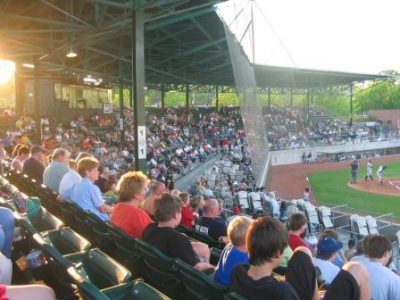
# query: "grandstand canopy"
(184, 43)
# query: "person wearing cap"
(58, 167)
(33, 166)
(326, 251)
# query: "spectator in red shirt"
(188, 217)
(127, 215)
(297, 229)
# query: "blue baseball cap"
(328, 245)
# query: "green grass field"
(330, 187)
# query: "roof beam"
(65, 12)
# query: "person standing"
(354, 169)
(380, 171)
(370, 167)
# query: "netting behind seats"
(250, 105)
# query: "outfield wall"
(286, 157)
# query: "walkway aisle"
(186, 181)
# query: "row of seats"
(70, 258)
(132, 257)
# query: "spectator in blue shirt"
(86, 194)
(235, 252)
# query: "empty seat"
(372, 225)
(160, 270)
(45, 221)
(241, 198)
(66, 241)
(125, 250)
(311, 213)
(325, 217)
(255, 201)
(139, 291)
(198, 285)
(359, 225)
(102, 270)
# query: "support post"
(308, 106)
(121, 110)
(162, 97)
(291, 96)
(19, 90)
(36, 100)
(216, 97)
(351, 105)
(269, 98)
(138, 89)
(187, 100)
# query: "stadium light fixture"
(71, 53)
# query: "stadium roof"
(185, 42)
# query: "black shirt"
(265, 288)
(213, 227)
(171, 242)
(343, 287)
(34, 169)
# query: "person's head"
(297, 222)
(23, 152)
(82, 155)
(104, 171)
(132, 185)
(237, 230)
(168, 208)
(88, 167)
(210, 208)
(185, 197)
(157, 188)
(330, 233)
(16, 149)
(327, 248)
(307, 190)
(351, 243)
(61, 155)
(37, 152)
(195, 202)
(378, 246)
(72, 164)
(266, 239)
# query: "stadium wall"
(286, 157)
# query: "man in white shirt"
(385, 284)
(326, 252)
(72, 176)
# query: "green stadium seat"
(160, 270)
(66, 241)
(197, 284)
(235, 296)
(45, 221)
(125, 250)
(102, 270)
(215, 255)
(139, 291)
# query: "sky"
(361, 36)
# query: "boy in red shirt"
(188, 217)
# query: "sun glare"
(7, 70)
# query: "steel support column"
(187, 100)
(121, 111)
(216, 97)
(138, 88)
(351, 105)
(308, 106)
(19, 90)
(269, 98)
(162, 97)
(36, 101)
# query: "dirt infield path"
(289, 181)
